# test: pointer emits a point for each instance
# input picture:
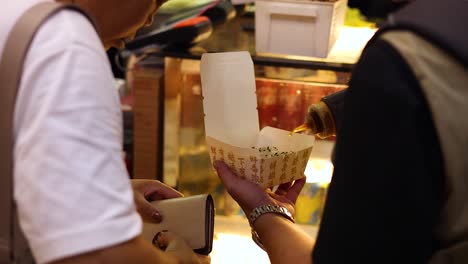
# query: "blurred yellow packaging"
(310, 203)
(311, 200)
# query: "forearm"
(284, 241)
(134, 251)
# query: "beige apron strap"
(444, 81)
(13, 247)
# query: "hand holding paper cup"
(268, 157)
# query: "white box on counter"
(298, 27)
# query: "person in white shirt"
(73, 194)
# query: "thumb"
(295, 189)
(173, 244)
(147, 211)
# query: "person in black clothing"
(391, 196)
(376, 9)
(387, 186)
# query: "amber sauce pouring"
(299, 129)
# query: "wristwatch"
(265, 209)
(269, 208)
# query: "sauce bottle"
(324, 118)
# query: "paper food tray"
(268, 157)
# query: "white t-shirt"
(71, 185)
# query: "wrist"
(269, 209)
(249, 207)
(263, 211)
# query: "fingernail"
(156, 239)
(156, 216)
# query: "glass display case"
(283, 97)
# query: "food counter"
(233, 243)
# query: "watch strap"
(269, 208)
(265, 209)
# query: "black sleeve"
(387, 187)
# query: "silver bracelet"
(265, 209)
